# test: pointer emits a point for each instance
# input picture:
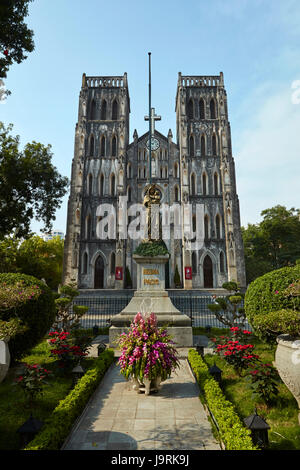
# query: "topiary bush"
(37, 314)
(268, 294)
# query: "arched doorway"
(208, 272)
(99, 273)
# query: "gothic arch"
(222, 262)
(193, 184)
(176, 170)
(218, 226)
(101, 184)
(208, 269)
(206, 227)
(115, 110)
(129, 194)
(102, 146)
(212, 108)
(176, 193)
(90, 184)
(192, 146)
(190, 109)
(113, 185)
(112, 263)
(201, 108)
(103, 110)
(85, 263)
(88, 226)
(216, 184)
(203, 145)
(93, 110)
(92, 145)
(129, 170)
(194, 262)
(204, 184)
(214, 149)
(114, 146)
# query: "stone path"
(118, 418)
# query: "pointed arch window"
(112, 263)
(115, 109)
(129, 170)
(103, 110)
(85, 263)
(193, 184)
(212, 106)
(204, 184)
(114, 146)
(202, 145)
(88, 228)
(101, 185)
(214, 144)
(222, 262)
(176, 194)
(190, 109)
(194, 263)
(194, 229)
(206, 227)
(218, 227)
(102, 146)
(92, 146)
(192, 146)
(216, 184)
(93, 110)
(201, 109)
(90, 184)
(176, 170)
(144, 172)
(113, 183)
(129, 194)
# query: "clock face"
(154, 143)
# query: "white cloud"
(268, 155)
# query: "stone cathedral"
(197, 168)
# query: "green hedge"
(38, 314)
(261, 297)
(59, 425)
(232, 432)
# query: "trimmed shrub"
(232, 432)
(37, 314)
(267, 294)
(59, 425)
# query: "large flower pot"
(4, 358)
(287, 362)
(146, 385)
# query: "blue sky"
(255, 43)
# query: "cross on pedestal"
(153, 118)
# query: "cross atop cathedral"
(153, 118)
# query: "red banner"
(119, 273)
(188, 272)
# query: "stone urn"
(146, 385)
(287, 362)
(4, 358)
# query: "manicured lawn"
(14, 410)
(281, 415)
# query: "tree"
(227, 309)
(15, 36)
(30, 186)
(273, 243)
(42, 259)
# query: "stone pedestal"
(151, 296)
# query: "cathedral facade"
(196, 170)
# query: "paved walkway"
(118, 418)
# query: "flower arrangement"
(65, 352)
(32, 381)
(147, 351)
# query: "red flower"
(5, 52)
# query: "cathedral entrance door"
(208, 272)
(99, 273)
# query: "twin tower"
(198, 169)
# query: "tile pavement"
(118, 418)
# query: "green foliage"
(263, 382)
(273, 243)
(59, 425)
(15, 36)
(30, 186)
(268, 294)
(9, 329)
(283, 321)
(152, 248)
(226, 309)
(68, 314)
(37, 314)
(232, 432)
(177, 280)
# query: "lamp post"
(216, 373)
(29, 429)
(259, 429)
(101, 347)
(77, 373)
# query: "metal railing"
(103, 307)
